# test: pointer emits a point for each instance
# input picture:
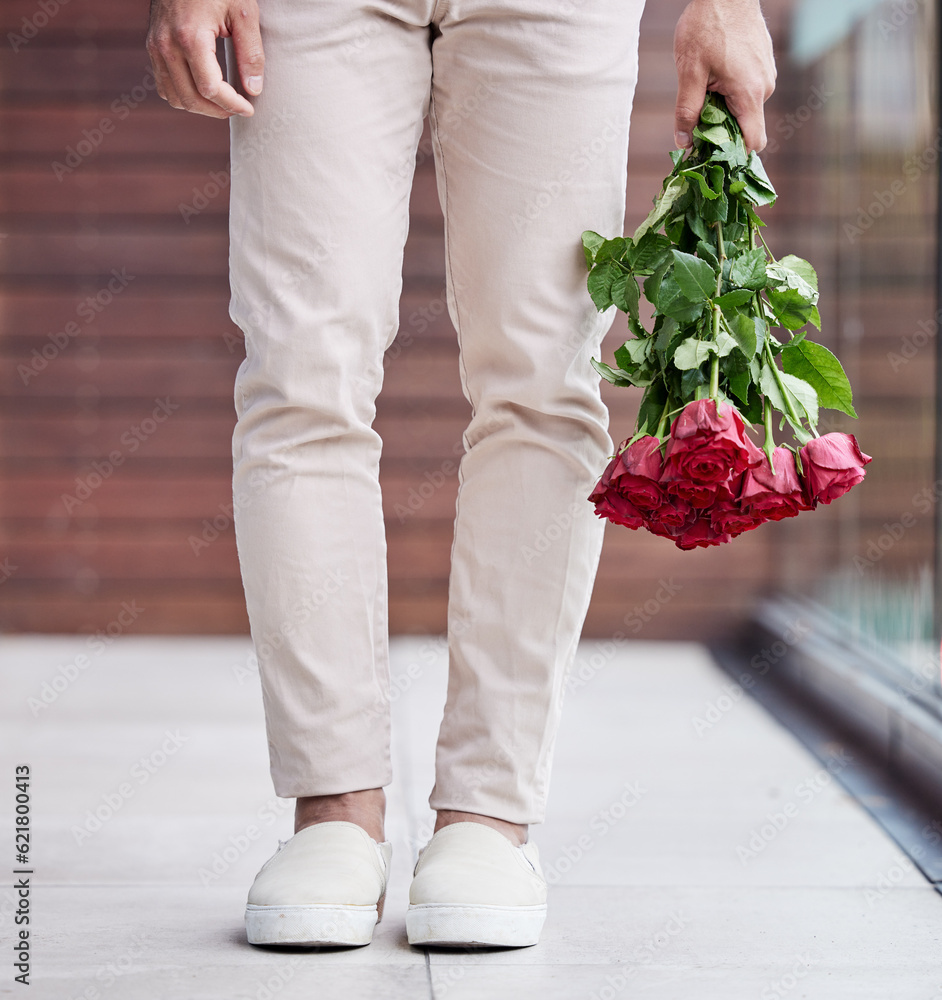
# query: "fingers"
(188, 74)
(247, 44)
(751, 117)
(691, 93)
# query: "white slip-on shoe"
(324, 886)
(473, 887)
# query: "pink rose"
(831, 465)
(774, 496)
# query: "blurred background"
(119, 357)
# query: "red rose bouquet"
(712, 367)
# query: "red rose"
(774, 496)
(696, 494)
(701, 534)
(670, 518)
(708, 445)
(728, 517)
(618, 510)
(636, 471)
(831, 465)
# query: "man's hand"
(181, 43)
(723, 46)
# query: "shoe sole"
(313, 924)
(474, 926)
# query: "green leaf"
(613, 375)
(590, 243)
(759, 178)
(733, 300)
(691, 353)
(792, 310)
(820, 369)
(793, 272)
(673, 301)
(611, 250)
(716, 135)
(651, 408)
(648, 253)
(676, 156)
(696, 278)
(802, 396)
(748, 270)
(696, 224)
(638, 352)
(705, 189)
(706, 252)
(716, 211)
(713, 115)
(739, 385)
(743, 330)
(725, 344)
(733, 153)
(690, 380)
(675, 188)
(652, 283)
(626, 294)
(600, 284)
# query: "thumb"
(691, 93)
(247, 45)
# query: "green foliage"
(715, 291)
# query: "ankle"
(366, 808)
(516, 833)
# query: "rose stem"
(715, 362)
(769, 437)
(662, 423)
(803, 436)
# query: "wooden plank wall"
(119, 356)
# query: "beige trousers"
(529, 104)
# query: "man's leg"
(530, 111)
(321, 176)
